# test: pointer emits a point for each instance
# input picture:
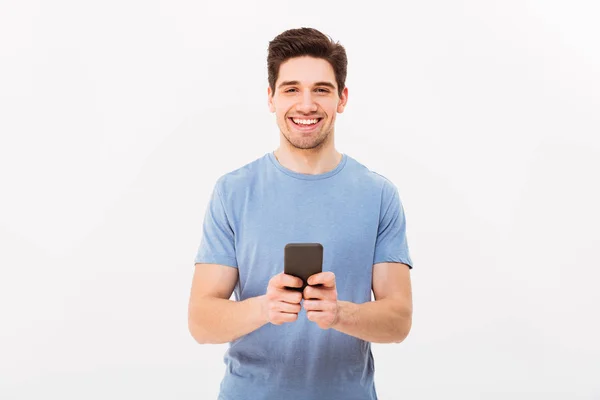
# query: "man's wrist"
(263, 312)
(345, 310)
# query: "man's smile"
(305, 124)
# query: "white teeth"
(305, 121)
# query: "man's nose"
(307, 104)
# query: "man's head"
(307, 74)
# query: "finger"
(319, 316)
(319, 293)
(313, 293)
(282, 318)
(289, 296)
(289, 317)
(282, 280)
(284, 307)
(318, 305)
(326, 279)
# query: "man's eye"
(322, 90)
(289, 90)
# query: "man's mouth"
(305, 123)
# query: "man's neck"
(312, 162)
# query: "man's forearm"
(380, 321)
(213, 320)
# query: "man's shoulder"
(363, 174)
(241, 177)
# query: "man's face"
(306, 101)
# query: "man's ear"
(343, 101)
(270, 100)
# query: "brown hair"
(306, 42)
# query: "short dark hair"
(306, 42)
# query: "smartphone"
(302, 260)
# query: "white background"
(117, 117)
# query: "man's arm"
(388, 319)
(212, 317)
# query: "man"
(311, 345)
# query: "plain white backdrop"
(117, 117)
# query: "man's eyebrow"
(322, 83)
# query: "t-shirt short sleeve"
(391, 244)
(217, 245)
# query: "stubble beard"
(307, 143)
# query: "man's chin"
(307, 145)
(305, 141)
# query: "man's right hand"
(283, 305)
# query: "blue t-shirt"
(357, 216)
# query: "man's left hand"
(320, 302)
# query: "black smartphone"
(302, 260)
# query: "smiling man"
(315, 344)
(306, 108)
